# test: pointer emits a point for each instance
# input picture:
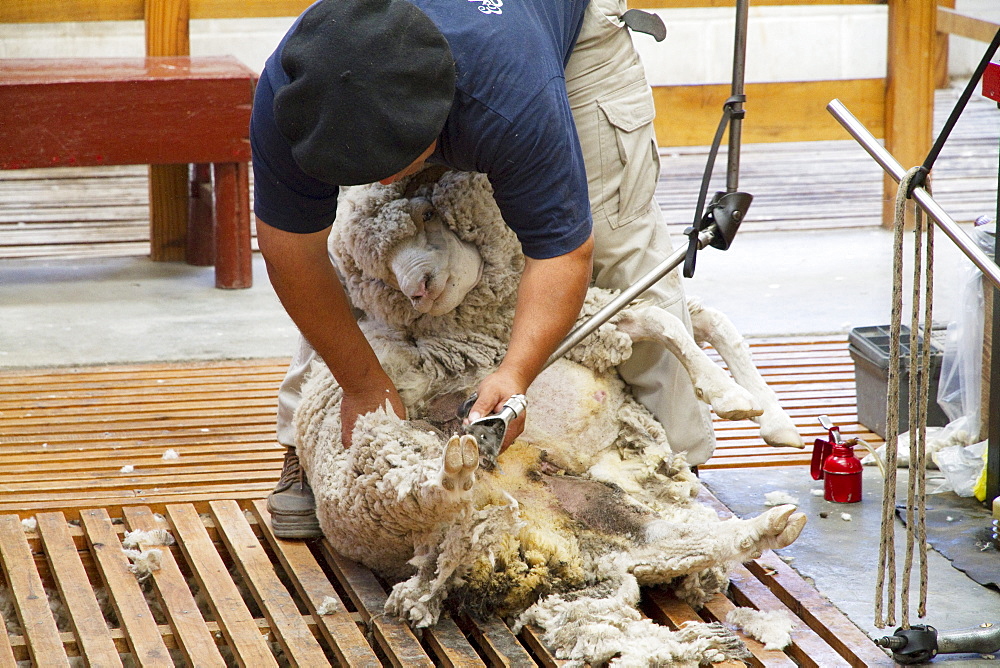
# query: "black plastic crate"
(869, 348)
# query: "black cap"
(371, 83)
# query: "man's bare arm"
(309, 289)
(549, 300)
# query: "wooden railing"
(898, 107)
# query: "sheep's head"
(430, 246)
(434, 268)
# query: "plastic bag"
(937, 438)
(962, 466)
(960, 382)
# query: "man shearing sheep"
(548, 99)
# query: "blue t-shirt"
(510, 120)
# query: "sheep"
(586, 506)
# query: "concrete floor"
(119, 310)
(128, 309)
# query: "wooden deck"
(82, 453)
(72, 438)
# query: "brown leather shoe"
(291, 504)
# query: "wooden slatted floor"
(66, 434)
(230, 593)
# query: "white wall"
(250, 40)
(783, 44)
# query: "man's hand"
(493, 392)
(371, 398)
(306, 283)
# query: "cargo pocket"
(630, 163)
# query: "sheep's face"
(427, 251)
(434, 268)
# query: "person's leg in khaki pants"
(613, 109)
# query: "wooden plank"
(6, 649)
(254, 565)
(191, 633)
(91, 629)
(168, 214)
(449, 646)
(30, 602)
(168, 31)
(71, 504)
(718, 608)
(31, 11)
(942, 42)
(956, 23)
(105, 107)
(141, 631)
(531, 636)
(816, 611)
(235, 621)
(393, 635)
(663, 606)
(230, 9)
(496, 641)
(807, 648)
(337, 625)
(776, 112)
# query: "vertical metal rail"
(736, 119)
(982, 260)
(993, 405)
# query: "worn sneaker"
(291, 504)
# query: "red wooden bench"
(144, 111)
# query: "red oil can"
(834, 462)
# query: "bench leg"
(168, 210)
(201, 219)
(233, 267)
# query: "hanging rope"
(919, 365)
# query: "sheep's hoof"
(461, 459)
(733, 403)
(782, 525)
(779, 431)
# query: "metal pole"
(892, 167)
(626, 296)
(986, 264)
(736, 119)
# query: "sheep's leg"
(675, 549)
(713, 327)
(711, 383)
(459, 462)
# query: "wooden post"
(941, 78)
(909, 95)
(168, 34)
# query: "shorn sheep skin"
(589, 503)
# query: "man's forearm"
(311, 293)
(549, 299)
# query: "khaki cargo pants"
(613, 109)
